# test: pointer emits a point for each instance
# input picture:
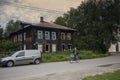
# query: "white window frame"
(69, 37)
(47, 35)
(53, 35)
(40, 34)
(19, 37)
(24, 35)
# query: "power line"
(34, 8)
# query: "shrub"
(65, 56)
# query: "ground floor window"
(69, 46)
(47, 48)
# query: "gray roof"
(51, 25)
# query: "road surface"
(61, 70)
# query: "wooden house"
(45, 36)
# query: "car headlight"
(1, 60)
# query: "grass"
(56, 57)
(65, 56)
(106, 76)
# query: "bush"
(55, 57)
(7, 45)
(65, 56)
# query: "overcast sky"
(31, 10)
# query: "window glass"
(24, 35)
(53, 35)
(47, 35)
(40, 34)
(62, 36)
(21, 54)
(47, 47)
(19, 37)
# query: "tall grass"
(65, 56)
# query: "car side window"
(21, 54)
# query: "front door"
(40, 47)
(53, 47)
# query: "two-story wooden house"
(48, 37)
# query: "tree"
(7, 45)
(12, 26)
(95, 22)
(1, 33)
(60, 20)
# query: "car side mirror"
(17, 56)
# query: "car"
(22, 57)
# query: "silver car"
(22, 57)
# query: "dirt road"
(61, 70)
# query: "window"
(24, 35)
(69, 46)
(40, 34)
(15, 38)
(47, 47)
(68, 36)
(20, 37)
(21, 54)
(47, 35)
(53, 35)
(62, 36)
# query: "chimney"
(41, 19)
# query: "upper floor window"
(40, 34)
(62, 36)
(68, 36)
(47, 35)
(53, 35)
(24, 35)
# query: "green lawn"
(106, 76)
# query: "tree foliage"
(1, 33)
(7, 45)
(12, 26)
(96, 22)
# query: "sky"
(32, 10)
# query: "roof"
(49, 25)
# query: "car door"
(20, 58)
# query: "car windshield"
(14, 54)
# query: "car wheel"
(10, 63)
(37, 61)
